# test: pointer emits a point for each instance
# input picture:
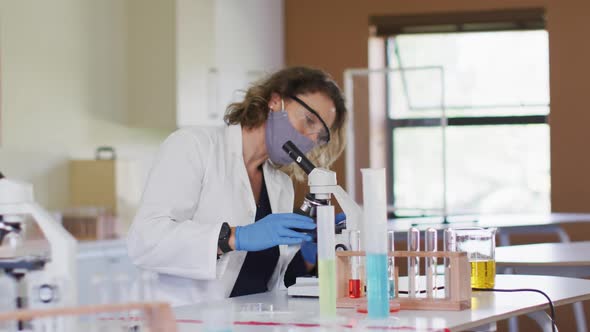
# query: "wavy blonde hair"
(253, 111)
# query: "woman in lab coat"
(216, 215)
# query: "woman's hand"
(273, 230)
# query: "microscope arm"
(352, 210)
(322, 183)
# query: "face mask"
(279, 130)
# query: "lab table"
(571, 259)
(302, 314)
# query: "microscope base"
(305, 287)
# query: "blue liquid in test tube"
(375, 242)
(391, 265)
(378, 300)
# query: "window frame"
(416, 21)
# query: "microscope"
(322, 185)
(43, 280)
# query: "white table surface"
(292, 314)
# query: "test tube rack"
(158, 316)
(458, 274)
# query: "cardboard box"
(115, 185)
(93, 183)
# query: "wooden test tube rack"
(158, 315)
(458, 297)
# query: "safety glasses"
(313, 123)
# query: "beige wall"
(64, 75)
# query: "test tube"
(430, 265)
(375, 244)
(413, 262)
(449, 246)
(391, 264)
(354, 283)
(327, 260)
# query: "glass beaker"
(480, 246)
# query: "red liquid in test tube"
(354, 288)
(354, 283)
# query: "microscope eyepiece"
(298, 157)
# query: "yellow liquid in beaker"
(483, 274)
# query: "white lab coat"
(197, 182)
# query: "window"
(496, 100)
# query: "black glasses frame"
(302, 103)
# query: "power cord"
(553, 323)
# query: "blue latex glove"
(273, 230)
(309, 249)
(340, 217)
(309, 252)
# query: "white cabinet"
(151, 78)
(189, 58)
(222, 46)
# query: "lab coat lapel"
(239, 168)
(274, 188)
